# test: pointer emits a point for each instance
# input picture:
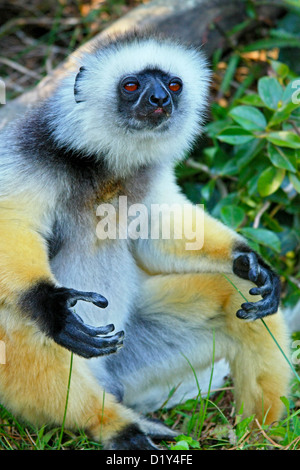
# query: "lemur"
(136, 312)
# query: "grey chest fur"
(80, 260)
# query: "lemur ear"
(79, 77)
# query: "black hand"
(83, 339)
(50, 307)
(250, 266)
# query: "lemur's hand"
(249, 266)
(80, 338)
(51, 309)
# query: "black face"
(148, 99)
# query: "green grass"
(221, 428)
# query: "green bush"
(247, 169)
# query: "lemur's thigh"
(34, 381)
(180, 321)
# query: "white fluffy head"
(92, 125)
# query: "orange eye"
(175, 86)
(131, 86)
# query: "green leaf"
(207, 190)
(270, 91)
(252, 100)
(214, 127)
(295, 182)
(181, 445)
(271, 43)
(210, 153)
(271, 223)
(243, 425)
(291, 92)
(286, 403)
(281, 69)
(230, 71)
(282, 114)
(232, 215)
(189, 440)
(284, 139)
(230, 168)
(248, 117)
(279, 431)
(282, 33)
(254, 246)
(235, 135)
(263, 237)
(247, 152)
(270, 180)
(283, 158)
(280, 197)
(252, 184)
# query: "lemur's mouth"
(159, 111)
(153, 118)
(158, 117)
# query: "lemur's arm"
(200, 243)
(28, 285)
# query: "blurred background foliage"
(245, 168)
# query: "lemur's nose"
(159, 97)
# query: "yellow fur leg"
(34, 380)
(260, 372)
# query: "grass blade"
(66, 404)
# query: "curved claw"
(265, 286)
(258, 311)
(93, 330)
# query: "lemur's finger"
(246, 266)
(96, 341)
(82, 340)
(93, 330)
(264, 283)
(263, 290)
(82, 349)
(92, 297)
(260, 309)
(254, 268)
